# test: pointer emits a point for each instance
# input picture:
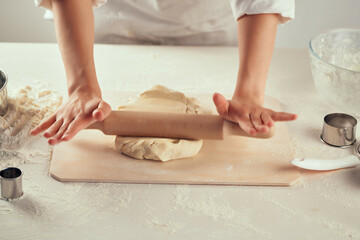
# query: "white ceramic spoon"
(326, 164)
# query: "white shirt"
(174, 22)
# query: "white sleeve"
(48, 3)
(285, 8)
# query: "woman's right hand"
(82, 108)
(74, 25)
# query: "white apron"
(176, 22)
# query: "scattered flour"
(212, 206)
(19, 157)
(216, 206)
(26, 108)
(168, 227)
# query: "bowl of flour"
(335, 67)
(3, 93)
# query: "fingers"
(222, 105)
(81, 109)
(258, 123)
(53, 129)
(64, 130)
(102, 111)
(70, 129)
(57, 137)
(266, 119)
(251, 117)
(250, 123)
(283, 116)
(43, 126)
(75, 126)
(79, 123)
(246, 125)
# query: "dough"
(161, 99)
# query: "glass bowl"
(335, 67)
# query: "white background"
(21, 21)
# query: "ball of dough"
(161, 99)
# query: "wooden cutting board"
(91, 157)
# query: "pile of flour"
(26, 108)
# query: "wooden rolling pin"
(170, 125)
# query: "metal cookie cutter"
(3, 93)
(11, 183)
(339, 130)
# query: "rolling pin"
(171, 125)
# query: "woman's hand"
(74, 25)
(256, 40)
(250, 116)
(83, 108)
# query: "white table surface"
(320, 206)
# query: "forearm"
(74, 24)
(256, 40)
